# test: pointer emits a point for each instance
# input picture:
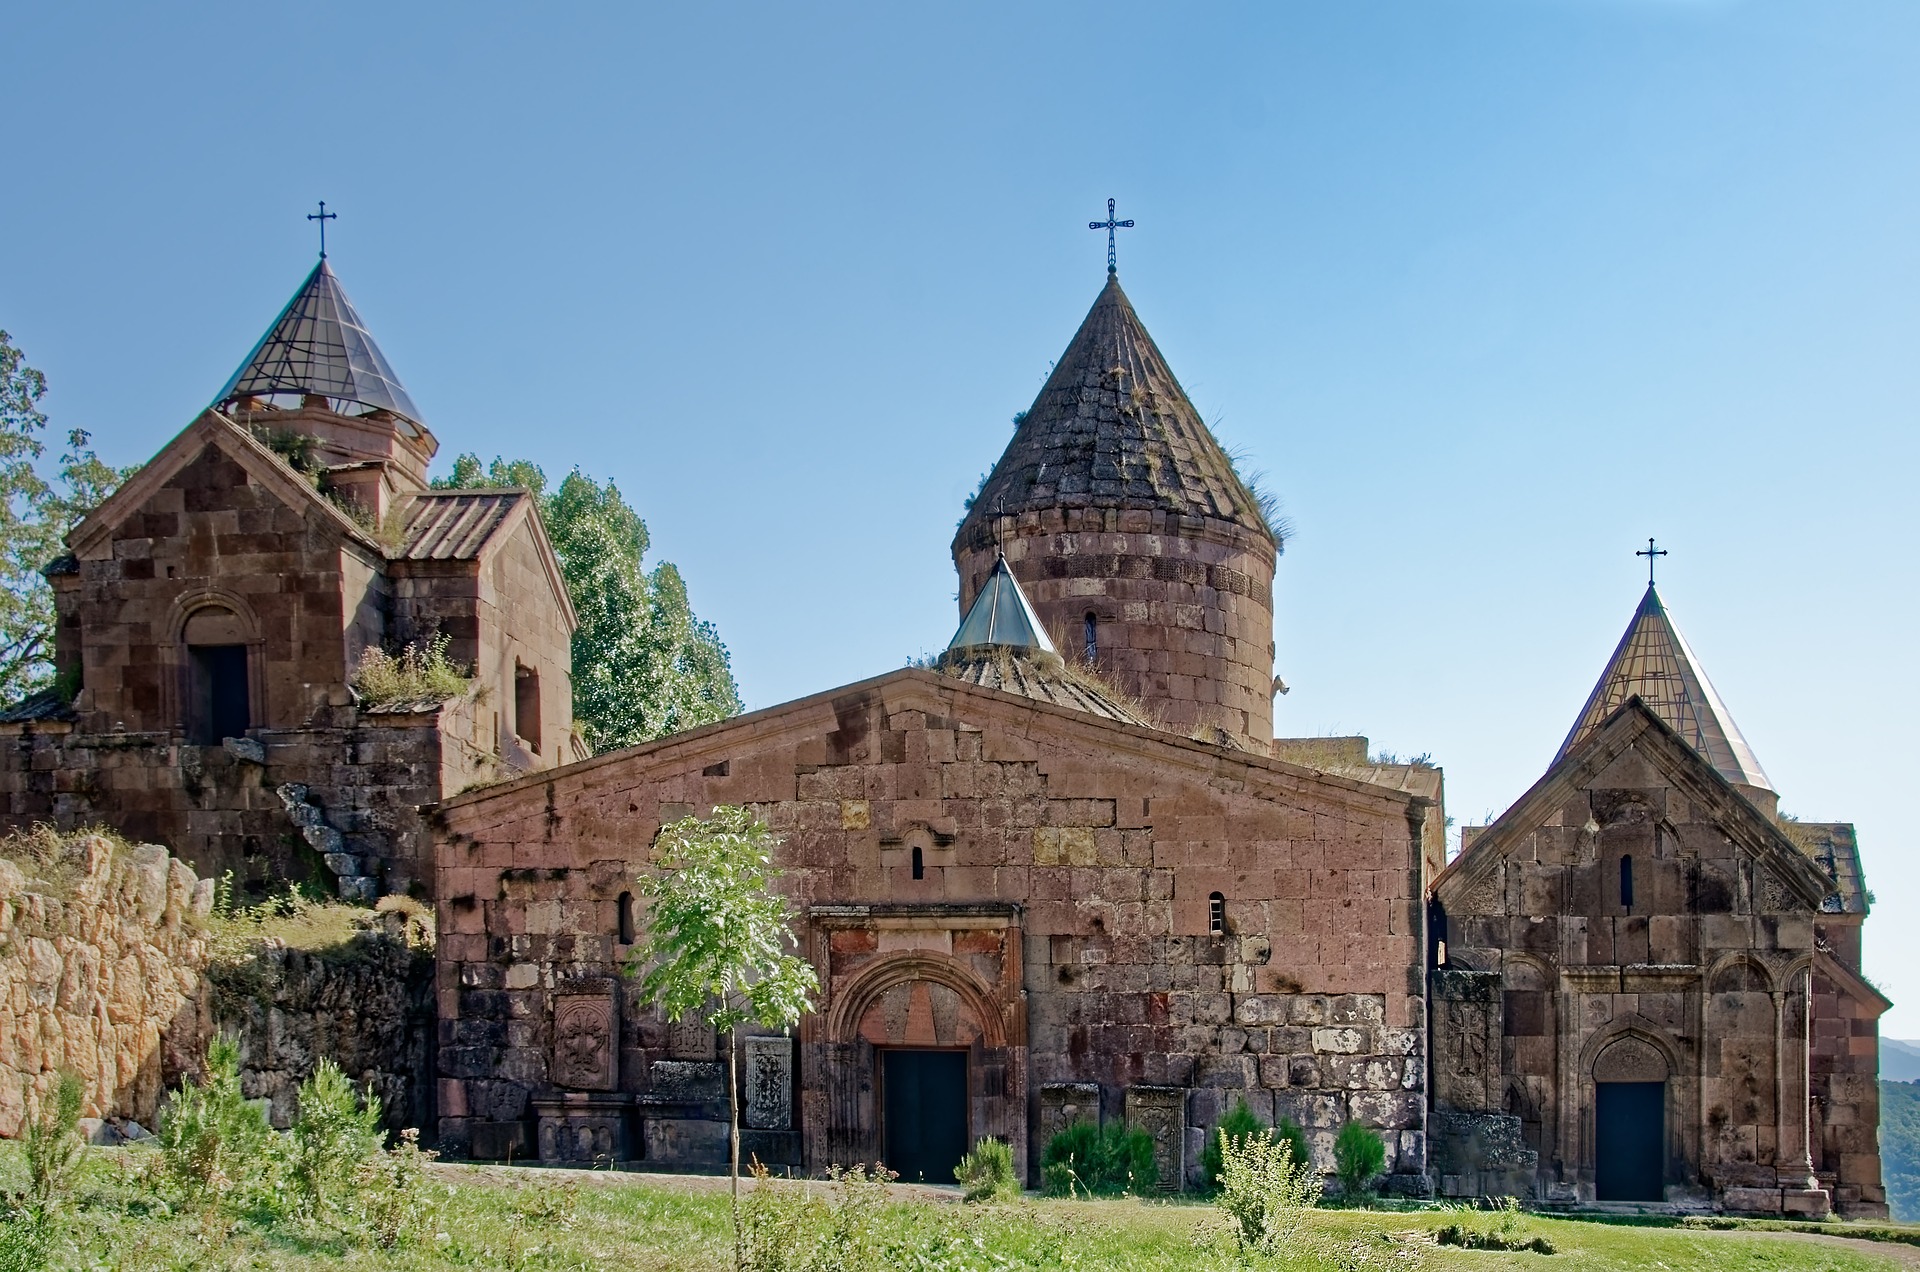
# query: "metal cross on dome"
(1650, 552)
(323, 216)
(1110, 225)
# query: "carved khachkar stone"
(769, 1083)
(583, 1042)
(1162, 1113)
(690, 1038)
(1064, 1103)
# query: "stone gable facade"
(1636, 919)
(210, 617)
(974, 870)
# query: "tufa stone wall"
(975, 871)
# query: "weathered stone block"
(687, 1080)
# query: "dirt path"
(1899, 1253)
(532, 1176)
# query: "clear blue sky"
(1491, 290)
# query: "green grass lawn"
(524, 1218)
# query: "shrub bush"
(1099, 1160)
(419, 673)
(1359, 1155)
(213, 1144)
(1264, 1189)
(52, 1145)
(1239, 1123)
(987, 1173)
(392, 1199)
(335, 1133)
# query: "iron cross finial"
(1650, 552)
(323, 216)
(1110, 225)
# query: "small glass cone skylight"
(1001, 615)
(1654, 661)
(318, 345)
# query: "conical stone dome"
(1112, 428)
(1654, 663)
(1140, 547)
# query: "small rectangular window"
(1626, 882)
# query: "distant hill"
(1900, 1144)
(1899, 1061)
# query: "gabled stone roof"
(455, 525)
(1835, 849)
(1112, 428)
(319, 346)
(1654, 663)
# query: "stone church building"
(212, 611)
(1647, 985)
(1066, 871)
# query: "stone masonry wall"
(1101, 843)
(107, 976)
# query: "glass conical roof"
(318, 345)
(1654, 662)
(1002, 615)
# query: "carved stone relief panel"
(1630, 1060)
(1064, 1103)
(1162, 1113)
(690, 1038)
(584, 1048)
(769, 1063)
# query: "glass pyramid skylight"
(319, 346)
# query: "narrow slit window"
(1626, 882)
(1091, 631)
(1217, 914)
(526, 705)
(919, 863)
(626, 918)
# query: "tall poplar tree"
(643, 664)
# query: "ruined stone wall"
(222, 808)
(95, 977)
(1100, 843)
(105, 972)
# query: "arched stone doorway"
(919, 1052)
(1630, 1121)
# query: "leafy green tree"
(717, 942)
(643, 665)
(335, 1133)
(35, 515)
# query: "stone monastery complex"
(1066, 872)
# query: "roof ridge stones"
(1112, 428)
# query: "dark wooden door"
(220, 708)
(926, 1113)
(1630, 1121)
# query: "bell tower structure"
(1143, 551)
